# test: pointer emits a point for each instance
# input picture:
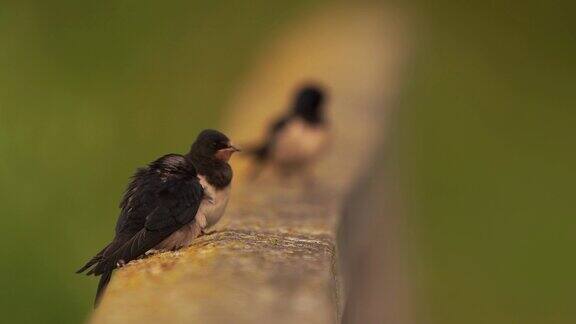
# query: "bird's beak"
(225, 153)
(234, 148)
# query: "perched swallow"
(168, 204)
(297, 138)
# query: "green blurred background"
(489, 124)
(90, 90)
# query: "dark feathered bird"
(168, 204)
(297, 138)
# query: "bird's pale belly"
(211, 209)
(298, 143)
(209, 213)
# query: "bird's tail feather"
(102, 284)
(97, 258)
(90, 263)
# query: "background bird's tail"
(102, 284)
(258, 152)
(259, 155)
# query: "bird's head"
(212, 144)
(309, 102)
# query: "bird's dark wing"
(136, 204)
(140, 200)
(177, 203)
(141, 194)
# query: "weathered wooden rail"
(273, 258)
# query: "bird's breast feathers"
(299, 142)
(213, 205)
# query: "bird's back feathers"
(159, 200)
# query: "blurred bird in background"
(168, 204)
(297, 139)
